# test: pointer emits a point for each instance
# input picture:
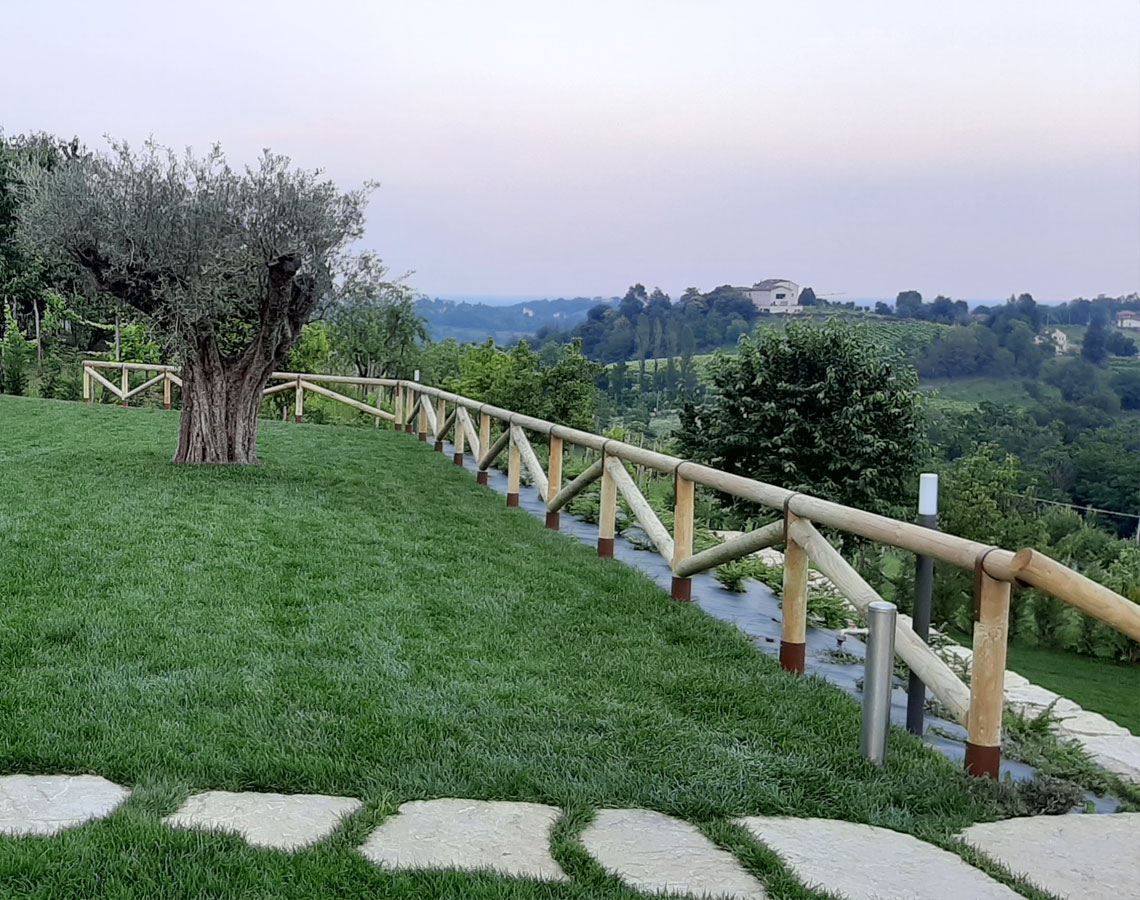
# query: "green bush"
(15, 356)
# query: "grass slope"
(1100, 685)
(355, 616)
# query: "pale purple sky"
(972, 148)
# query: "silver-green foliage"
(191, 242)
(374, 321)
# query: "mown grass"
(1100, 685)
(355, 616)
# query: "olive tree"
(374, 321)
(226, 266)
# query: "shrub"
(15, 356)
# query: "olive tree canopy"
(226, 265)
(374, 320)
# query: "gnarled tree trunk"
(221, 406)
(221, 396)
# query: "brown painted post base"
(125, 404)
(439, 446)
(300, 420)
(481, 477)
(423, 437)
(512, 500)
(166, 406)
(399, 427)
(458, 458)
(792, 657)
(606, 548)
(985, 762)
(682, 589)
(553, 520)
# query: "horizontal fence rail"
(424, 410)
(279, 382)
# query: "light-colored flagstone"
(47, 804)
(276, 821)
(1083, 857)
(508, 838)
(863, 862)
(658, 854)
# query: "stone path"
(658, 854)
(508, 838)
(47, 804)
(1082, 857)
(863, 862)
(277, 821)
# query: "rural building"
(1060, 340)
(1128, 319)
(777, 295)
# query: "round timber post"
(987, 684)
(793, 640)
(685, 491)
(460, 439)
(484, 445)
(607, 516)
(554, 481)
(514, 471)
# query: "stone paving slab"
(864, 862)
(657, 854)
(275, 821)
(508, 838)
(1081, 857)
(47, 804)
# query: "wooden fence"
(428, 411)
(278, 382)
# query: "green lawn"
(1100, 685)
(356, 616)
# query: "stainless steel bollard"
(878, 677)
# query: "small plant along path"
(1093, 857)
(352, 620)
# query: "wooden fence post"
(685, 491)
(399, 407)
(514, 472)
(379, 401)
(88, 387)
(299, 403)
(460, 439)
(987, 684)
(440, 418)
(423, 432)
(794, 637)
(126, 383)
(166, 390)
(554, 481)
(607, 515)
(484, 444)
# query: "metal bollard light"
(878, 677)
(923, 594)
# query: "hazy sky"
(971, 148)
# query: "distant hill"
(475, 322)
